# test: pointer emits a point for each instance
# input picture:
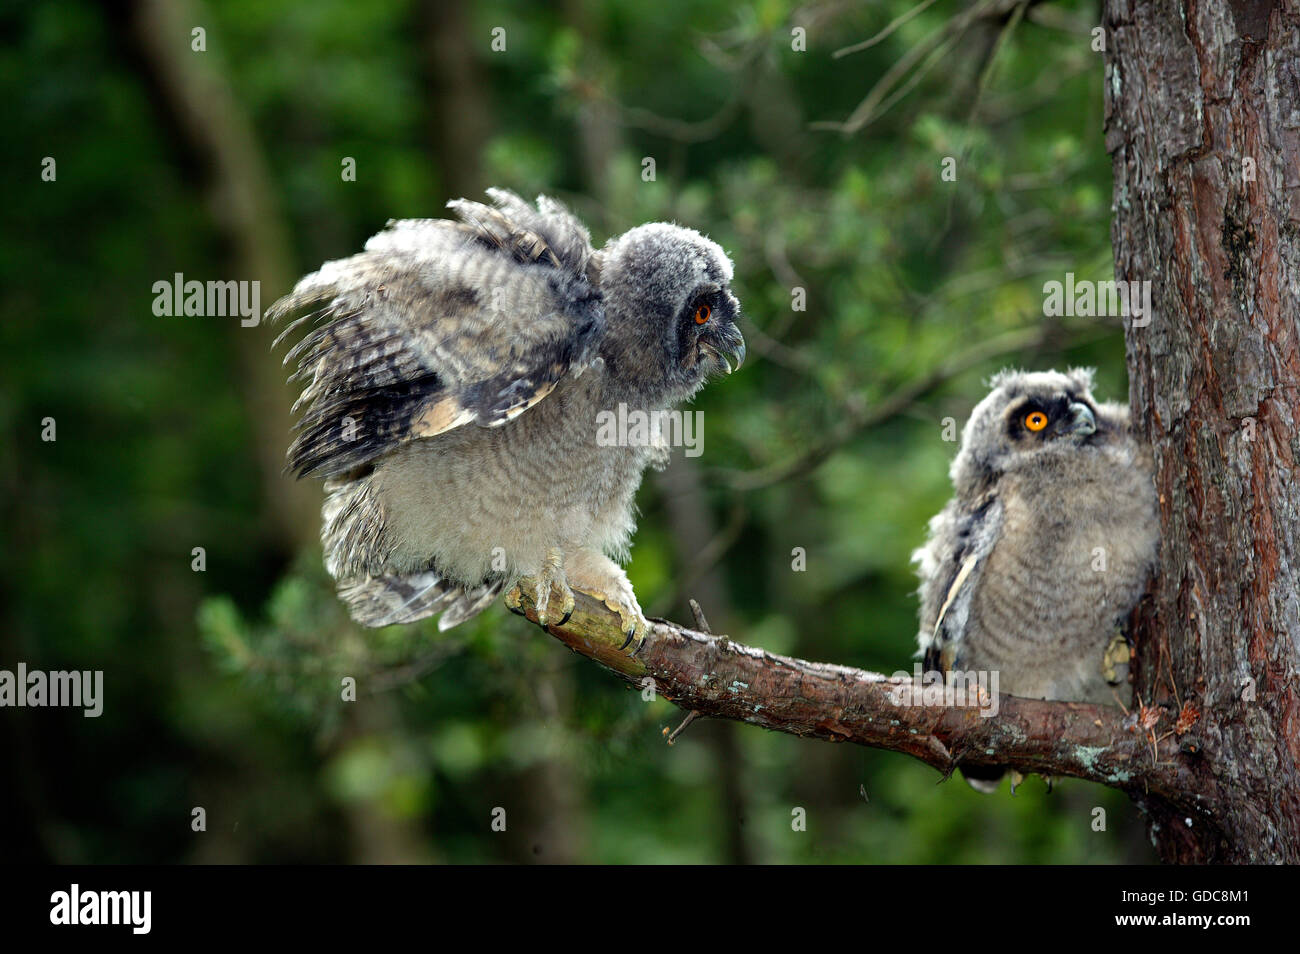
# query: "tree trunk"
(214, 136)
(456, 95)
(1203, 125)
(694, 529)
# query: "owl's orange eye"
(1035, 420)
(702, 314)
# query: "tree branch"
(854, 419)
(714, 676)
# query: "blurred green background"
(814, 171)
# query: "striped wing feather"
(436, 325)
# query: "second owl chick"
(1047, 544)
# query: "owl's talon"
(1017, 779)
(550, 593)
(634, 630)
(594, 574)
(560, 597)
(1115, 660)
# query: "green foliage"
(225, 687)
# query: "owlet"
(1033, 567)
(454, 384)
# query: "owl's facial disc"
(670, 308)
(707, 332)
(1057, 417)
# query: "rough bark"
(1203, 125)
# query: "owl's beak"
(730, 348)
(736, 356)
(1082, 421)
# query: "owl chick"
(453, 385)
(1032, 568)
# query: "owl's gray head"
(1032, 420)
(670, 309)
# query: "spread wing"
(952, 565)
(439, 324)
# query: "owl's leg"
(597, 575)
(549, 590)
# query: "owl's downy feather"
(1034, 565)
(438, 324)
(426, 370)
